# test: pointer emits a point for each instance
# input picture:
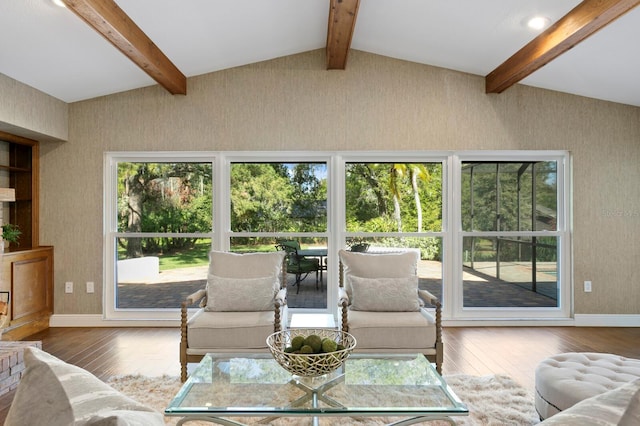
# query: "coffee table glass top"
(226, 385)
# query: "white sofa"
(617, 407)
(54, 393)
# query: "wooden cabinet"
(28, 275)
(26, 269)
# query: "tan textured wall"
(378, 103)
(27, 112)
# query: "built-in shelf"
(26, 269)
(7, 194)
(19, 166)
(14, 169)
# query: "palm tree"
(414, 172)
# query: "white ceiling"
(52, 50)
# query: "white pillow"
(54, 393)
(384, 294)
(247, 265)
(241, 294)
(631, 416)
(371, 265)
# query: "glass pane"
(164, 197)
(278, 197)
(429, 263)
(393, 197)
(307, 288)
(509, 196)
(170, 270)
(510, 272)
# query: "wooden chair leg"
(183, 343)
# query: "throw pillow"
(372, 265)
(247, 265)
(54, 393)
(631, 416)
(241, 294)
(385, 294)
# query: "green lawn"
(198, 255)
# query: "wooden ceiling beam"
(584, 20)
(108, 19)
(342, 22)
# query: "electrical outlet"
(68, 287)
(587, 286)
(90, 287)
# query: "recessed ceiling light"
(538, 22)
(59, 3)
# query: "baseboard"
(580, 320)
(97, 320)
(597, 320)
(504, 322)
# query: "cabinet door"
(30, 287)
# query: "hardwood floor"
(514, 351)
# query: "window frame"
(451, 232)
(564, 309)
(111, 233)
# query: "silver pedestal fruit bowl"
(298, 353)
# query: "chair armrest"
(343, 297)
(281, 297)
(280, 310)
(193, 298)
(343, 304)
(429, 298)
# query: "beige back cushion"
(371, 265)
(241, 294)
(247, 265)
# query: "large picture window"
(512, 220)
(272, 203)
(490, 227)
(162, 230)
(394, 207)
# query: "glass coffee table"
(405, 389)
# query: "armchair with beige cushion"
(382, 307)
(245, 300)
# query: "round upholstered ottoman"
(566, 379)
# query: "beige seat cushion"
(229, 330)
(566, 379)
(397, 331)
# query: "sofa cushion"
(370, 265)
(54, 393)
(241, 294)
(384, 294)
(229, 330)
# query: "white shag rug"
(494, 400)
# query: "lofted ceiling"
(53, 50)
